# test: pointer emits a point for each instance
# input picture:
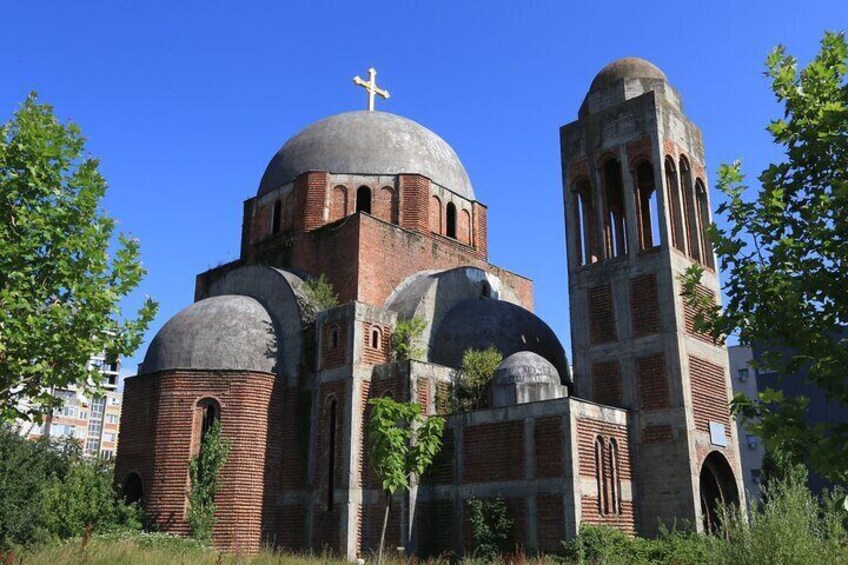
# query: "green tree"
(785, 254)
(204, 469)
(402, 444)
(322, 292)
(406, 338)
(60, 283)
(491, 527)
(472, 382)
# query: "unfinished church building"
(382, 207)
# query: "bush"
(322, 292)
(490, 527)
(472, 382)
(405, 338)
(203, 474)
(47, 490)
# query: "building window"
(435, 214)
(107, 454)
(111, 418)
(601, 476)
(334, 338)
(615, 484)
(375, 338)
(689, 206)
(646, 201)
(95, 422)
(109, 436)
(92, 446)
(615, 228)
(114, 401)
(450, 220)
(703, 222)
(743, 374)
(331, 455)
(673, 205)
(276, 217)
(363, 199)
(584, 223)
(210, 412)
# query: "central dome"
(363, 142)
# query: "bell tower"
(636, 208)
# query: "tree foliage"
(472, 381)
(322, 291)
(204, 470)
(406, 338)
(785, 254)
(402, 444)
(491, 528)
(47, 490)
(60, 283)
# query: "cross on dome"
(371, 86)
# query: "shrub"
(47, 490)
(472, 381)
(491, 528)
(322, 292)
(203, 475)
(406, 338)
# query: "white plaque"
(717, 436)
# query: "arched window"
(210, 412)
(450, 220)
(331, 454)
(276, 217)
(615, 220)
(601, 476)
(584, 223)
(338, 208)
(334, 337)
(435, 214)
(363, 199)
(465, 227)
(673, 205)
(133, 489)
(615, 484)
(388, 205)
(689, 205)
(703, 222)
(375, 338)
(647, 209)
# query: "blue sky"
(185, 102)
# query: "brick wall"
(550, 520)
(689, 314)
(606, 383)
(493, 452)
(588, 431)
(644, 305)
(436, 519)
(547, 447)
(326, 525)
(382, 353)
(601, 314)
(659, 433)
(310, 191)
(248, 401)
(334, 352)
(414, 202)
(710, 400)
(652, 382)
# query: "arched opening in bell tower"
(584, 223)
(691, 213)
(615, 229)
(673, 205)
(647, 209)
(718, 488)
(450, 220)
(704, 221)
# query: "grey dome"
(365, 142)
(626, 68)
(525, 367)
(480, 323)
(223, 332)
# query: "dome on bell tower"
(622, 80)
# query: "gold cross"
(371, 87)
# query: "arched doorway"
(133, 490)
(718, 486)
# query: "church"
(637, 435)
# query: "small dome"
(226, 332)
(626, 68)
(483, 322)
(365, 142)
(525, 367)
